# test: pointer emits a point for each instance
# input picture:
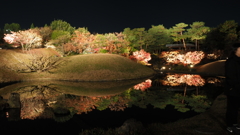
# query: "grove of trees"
(69, 40)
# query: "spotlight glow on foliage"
(177, 79)
(144, 85)
(141, 57)
(27, 39)
(189, 58)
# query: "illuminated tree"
(45, 32)
(188, 58)
(193, 57)
(141, 57)
(157, 37)
(197, 32)
(177, 33)
(27, 39)
(82, 40)
(135, 37)
(62, 25)
(58, 39)
(111, 43)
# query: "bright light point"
(163, 68)
(191, 66)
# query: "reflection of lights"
(176, 80)
(213, 80)
(191, 66)
(163, 68)
(7, 115)
(212, 56)
(144, 85)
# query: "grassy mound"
(215, 68)
(100, 67)
(90, 67)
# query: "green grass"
(100, 67)
(81, 63)
(89, 67)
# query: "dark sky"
(113, 16)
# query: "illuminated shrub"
(141, 57)
(176, 57)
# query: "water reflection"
(60, 100)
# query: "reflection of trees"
(81, 103)
(144, 85)
(178, 79)
(34, 100)
(184, 80)
(114, 103)
(45, 101)
(162, 98)
(157, 98)
(182, 102)
(31, 108)
(198, 103)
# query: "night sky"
(114, 16)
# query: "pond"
(70, 107)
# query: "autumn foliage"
(27, 39)
(141, 57)
(144, 85)
(178, 79)
(188, 58)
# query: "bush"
(103, 51)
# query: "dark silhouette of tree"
(222, 37)
(14, 27)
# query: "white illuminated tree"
(27, 39)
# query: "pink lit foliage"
(144, 85)
(141, 57)
(11, 39)
(188, 58)
(177, 79)
(27, 39)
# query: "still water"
(70, 107)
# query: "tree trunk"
(196, 46)
(184, 44)
(184, 93)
